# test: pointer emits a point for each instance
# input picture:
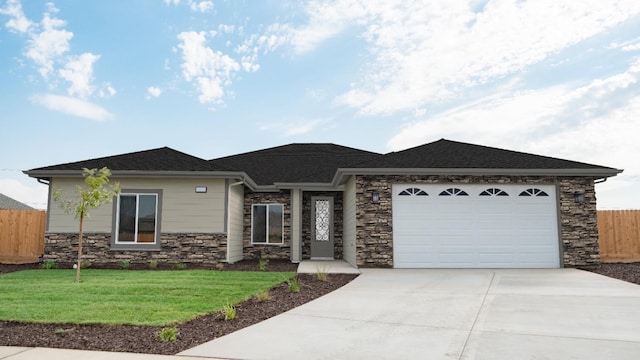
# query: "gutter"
(341, 173)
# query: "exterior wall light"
(375, 197)
(578, 197)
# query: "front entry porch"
(326, 266)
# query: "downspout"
(229, 216)
(48, 183)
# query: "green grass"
(155, 298)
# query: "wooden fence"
(21, 236)
(619, 232)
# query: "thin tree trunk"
(79, 251)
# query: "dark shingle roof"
(7, 203)
(318, 163)
(296, 163)
(452, 154)
(160, 159)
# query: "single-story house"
(440, 205)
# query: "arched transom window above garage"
(453, 192)
(494, 192)
(413, 192)
(533, 192)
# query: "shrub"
(49, 264)
(219, 266)
(85, 264)
(180, 266)
(153, 264)
(168, 334)
(322, 274)
(229, 312)
(262, 264)
(59, 331)
(262, 296)
(124, 264)
(294, 285)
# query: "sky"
(86, 79)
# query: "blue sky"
(84, 79)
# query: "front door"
(321, 228)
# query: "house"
(440, 205)
(7, 203)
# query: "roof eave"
(48, 174)
(308, 186)
(341, 173)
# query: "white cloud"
(227, 29)
(630, 45)
(424, 52)
(328, 19)
(107, 91)
(48, 45)
(210, 71)
(594, 123)
(153, 91)
(72, 106)
(202, 6)
(274, 37)
(33, 194)
(18, 21)
(79, 72)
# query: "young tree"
(95, 193)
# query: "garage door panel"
(473, 230)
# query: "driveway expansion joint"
(475, 320)
(556, 336)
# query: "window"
(453, 192)
(494, 192)
(533, 192)
(266, 223)
(137, 218)
(413, 191)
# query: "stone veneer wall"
(578, 222)
(267, 251)
(203, 249)
(307, 223)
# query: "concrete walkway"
(23, 353)
(452, 314)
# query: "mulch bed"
(142, 339)
(627, 272)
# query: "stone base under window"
(202, 249)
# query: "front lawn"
(154, 298)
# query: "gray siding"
(236, 221)
(183, 210)
(349, 219)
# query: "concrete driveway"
(452, 314)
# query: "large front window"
(137, 218)
(266, 223)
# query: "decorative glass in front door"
(323, 220)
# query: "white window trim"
(267, 225)
(135, 242)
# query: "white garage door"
(475, 226)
